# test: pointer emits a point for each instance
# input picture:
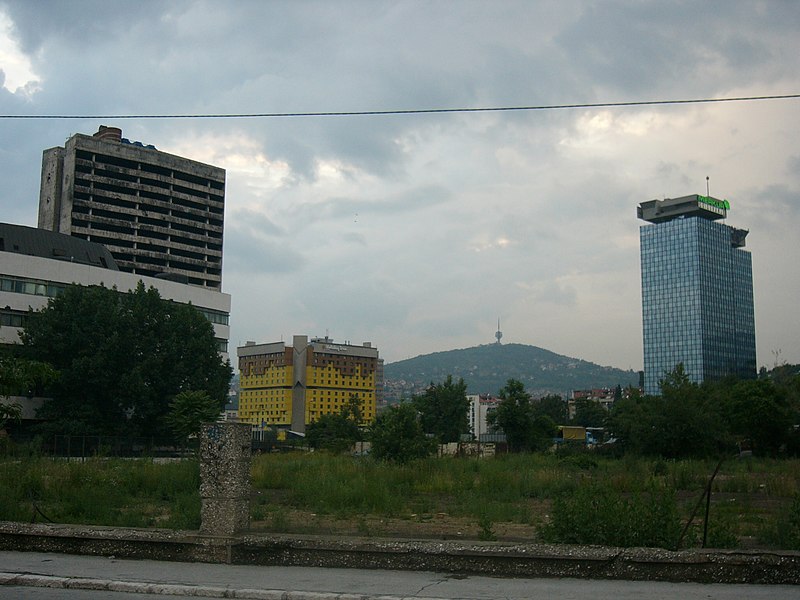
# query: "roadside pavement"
(25, 569)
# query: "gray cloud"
(416, 232)
(793, 165)
(248, 252)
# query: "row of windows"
(145, 200)
(215, 316)
(92, 203)
(279, 376)
(131, 227)
(51, 289)
(31, 287)
(12, 319)
(134, 165)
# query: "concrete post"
(224, 478)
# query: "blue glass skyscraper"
(697, 292)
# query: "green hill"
(485, 369)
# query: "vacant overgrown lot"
(572, 498)
(98, 491)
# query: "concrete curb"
(163, 589)
(498, 559)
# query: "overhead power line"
(420, 111)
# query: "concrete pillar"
(224, 478)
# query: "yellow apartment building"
(289, 386)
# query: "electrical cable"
(421, 111)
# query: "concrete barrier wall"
(480, 558)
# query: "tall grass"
(754, 499)
(629, 500)
(128, 493)
(501, 486)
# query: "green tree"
(554, 407)
(787, 380)
(121, 358)
(11, 411)
(755, 410)
(589, 413)
(684, 421)
(20, 377)
(188, 411)
(443, 410)
(397, 435)
(337, 432)
(515, 415)
(631, 422)
(688, 422)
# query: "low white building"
(479, 407)
(36, 265)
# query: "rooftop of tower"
(693, 205)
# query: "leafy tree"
(20, 377)
(542, 434)
(443, 410)
(755, 410)
(554, 407)
(688, 422)
(121, 358)
(683, 422)
(397, 435)
(337, 432)
(515, 415)
(9, 412)
(589, 413)
(631, 421)
(188, 411)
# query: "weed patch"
(599, 514)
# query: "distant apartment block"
(481, 405)
(289, 386)
(602, 396)
(159, 215)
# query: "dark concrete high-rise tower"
(697, 292)
(159, 215)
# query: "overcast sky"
(416, 232)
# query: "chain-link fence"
(87, 446)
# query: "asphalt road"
(148, 579)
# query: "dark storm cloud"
(256, 222)
(651, 48)
(415, 199)
(772, 204)
(793, 165)
(91, 21)
(418, 227)
(248, 252)
(255, 244)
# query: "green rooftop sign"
(723, 204)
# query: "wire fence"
(87, 446)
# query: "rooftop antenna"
(499, 333)
(708, 193)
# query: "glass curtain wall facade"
(697, 301)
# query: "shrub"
(784, 531)
(597, 514)
(397, 435)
